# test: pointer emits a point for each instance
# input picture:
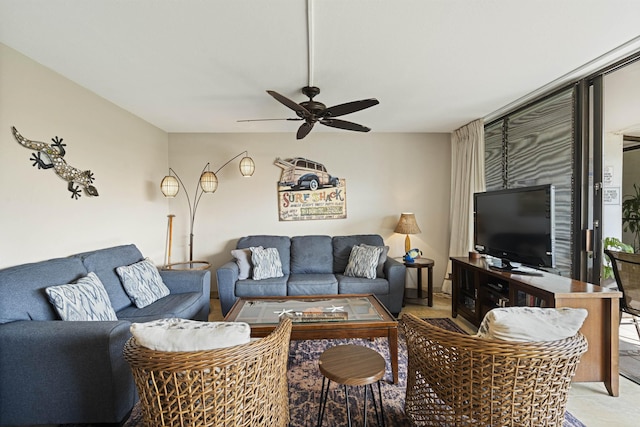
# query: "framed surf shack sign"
(306, 191)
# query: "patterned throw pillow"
(363, 261)
(86, 299)
(266, 263)
(381, 260)
(243, 260)
(142, 282)
(189, 335)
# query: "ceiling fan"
(313, 112)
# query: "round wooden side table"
(416, 296)
(187, 265)
(351, 365)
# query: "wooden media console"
(477, 289)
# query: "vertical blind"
(535, 146)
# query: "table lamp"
(407, 225)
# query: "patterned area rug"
(305, 381)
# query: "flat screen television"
(516, 225)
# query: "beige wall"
(386, 174)
(38, 218)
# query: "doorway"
(621, 167)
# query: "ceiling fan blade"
(349, 107)
(304, 130)
(267, 120)
(342, 124)
(299, 109)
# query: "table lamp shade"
(407, 225)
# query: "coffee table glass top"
(308, 310)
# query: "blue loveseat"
(57, 372)
(313, 265)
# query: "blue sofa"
(312, 265)
(58, 372)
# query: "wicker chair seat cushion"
(189, 335)
(531, 324)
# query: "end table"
(187, 265)
(416, 296)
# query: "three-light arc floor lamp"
(208, 183)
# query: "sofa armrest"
(61, 371)
(227, 276)
(395, 272)
(183, 281)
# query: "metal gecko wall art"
(49, 156)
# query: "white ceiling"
(201, 65)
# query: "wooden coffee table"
(366, 318)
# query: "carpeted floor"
(305, 381)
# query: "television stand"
(478, 288)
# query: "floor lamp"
(207, 183)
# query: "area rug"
(305, 381)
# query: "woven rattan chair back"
(244, 385)
(455, 379)
(626, 269)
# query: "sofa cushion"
(142, 282)
(311, 254)
(243, 260)
(281, 243)
(363, 261)
(176, 334)
(26, 284)
(358, 285)
(185, 305)
(84, 300)
(530, 324)
(276, 286)
(342, 248)
(266, 263)
(104, 262)
(312, 284)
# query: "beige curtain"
(467, 177)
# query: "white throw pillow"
(363, 261)
(189, 335)
(243, 260)
(87, 299)
(266, 263)
(142, 282)
(531, 324)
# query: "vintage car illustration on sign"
(300, 173)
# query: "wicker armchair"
(460, 380)
(626, 269)
(244, 385)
